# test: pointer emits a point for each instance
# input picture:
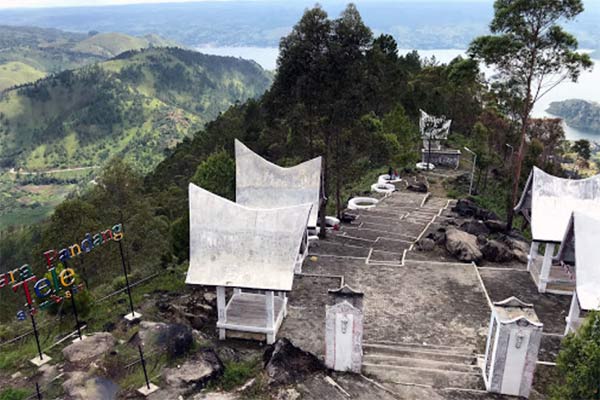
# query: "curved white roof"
(236, 246)
(262, 184)
(551, 201)
(582, 235)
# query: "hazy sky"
(66, 3)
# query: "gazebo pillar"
(574, 313)
(546, 267)
(533, 253)
(270, 303)
(221, 310)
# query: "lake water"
(587, 87)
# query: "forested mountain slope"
(135, 105)
(578, 113)
(28, 53)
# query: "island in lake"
(580, 114)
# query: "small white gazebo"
(580, 248)
(250, 251)
(547, 203)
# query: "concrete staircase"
(440, 367)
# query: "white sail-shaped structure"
(433, 129)
(249, 250)
(580, 247)
(547, 203)
(262, 184)
(236, 246)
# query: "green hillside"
(52, 51)
(15, 73)
(111, 44)
(136, 106)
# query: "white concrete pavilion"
(247, 253)
(580, 249)
(262, 184)
(547, 203)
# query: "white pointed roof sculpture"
(434, 128)
(262, 184)
(581, 238)
(235, 246)
(548, 201)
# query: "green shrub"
(578, 363)
(238, 373)
(13, 394)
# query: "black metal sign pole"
(37, 390)
(144, 366)
(35, 333)
(74, 307)
(75, 314)
(126, 278)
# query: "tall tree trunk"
(325, 181)
(517, 175)
(338, 178)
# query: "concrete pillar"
(546, 267)
(270, 303)
(512, 348)
(533, 253)
(344, 331)
(221, 310)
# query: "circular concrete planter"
(362, 203)
(385, 188)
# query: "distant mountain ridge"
(577, 113)
(28, 53)
(136, 105)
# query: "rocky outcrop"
(462, 245)
(175, 339)
(80, 385)
(287, 364)
(496, 251)
(468, 208)
(91, 349)
(195, 373)
(196, 309)
(475, 227)
(419, 186)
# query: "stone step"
(420, 354)
(421, 363)
(424, 376)
(385, 345)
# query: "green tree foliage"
(532, 54)
(578, 363)
(582, 148)
(217, 175)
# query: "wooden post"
(270, 303)
(533, 253)
(221, 309)
(546, 267)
